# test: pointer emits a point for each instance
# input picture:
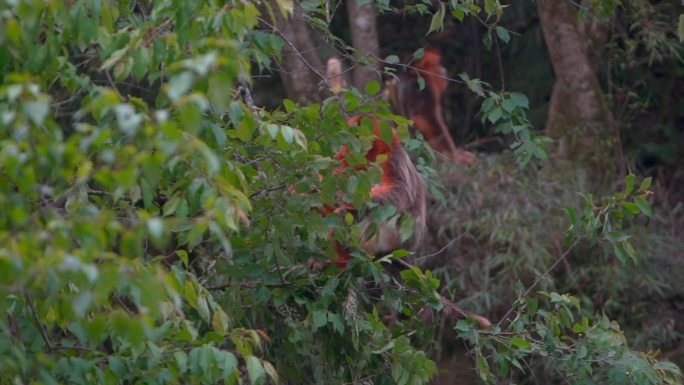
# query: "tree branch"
(41, 327)
(541, 277)
(451, 309)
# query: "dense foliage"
(158, 228)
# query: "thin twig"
(267, 190)
(498, 59)
(280, 273)
(83, 348)
(226, 285)
(296, 51)
(451, 310)
(111, 83)
(443, 248)
(41, 327)
(541, 277)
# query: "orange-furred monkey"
(424, 106)
(400, 185)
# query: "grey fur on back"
(408, 196)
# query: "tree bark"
(579, 118)
(300, 63)
(364, 31)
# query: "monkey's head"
(431, 58)
(431, 70)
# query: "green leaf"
(532, 306)
(406, 228)
(520, 100)
(629, 184)
(680, 28)
(337, 322)
(290, 106)
(667, 366)
(490, 6)
(37, 110)
(392, 59)
(255, 371)
(503, 34)
(572, 215)
(631, 207)
(82, 303)
(644, 205)
(181, 359)
(351, 101)
(179, 85)
(114, 58)
(220, 321)
(620, 252)
(508, 105)
(13, 31)
(220, 85)
(141, 62)
(271, 371)
(128, 120)
(617, 236)
(520, 343)
(458, 12)
(219, 135)
(155, 226)
(386, 132)
(372, 88)
(203, 308)
(320, 318)
(286, 7)
(464, 326)
(421, 83)
(487, 40)
(495, 115)
(190, 293)
(645, 184)
(228, 364)
(183, 256)
(437, 21)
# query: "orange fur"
(424, 106)
(387, 190)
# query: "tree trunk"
(579, 118)
(300, 63)
(364, 33)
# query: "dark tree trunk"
(364, 31)
(579, 118)
(301, 67)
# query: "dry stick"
(451, 310)
(296, 51)
(501, 70)
(443, 248)
(539, 279)
(41, 327)
(303, 59)
(619, 154)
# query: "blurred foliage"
(504, 228)
(158, 229)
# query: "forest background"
(160, 167)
